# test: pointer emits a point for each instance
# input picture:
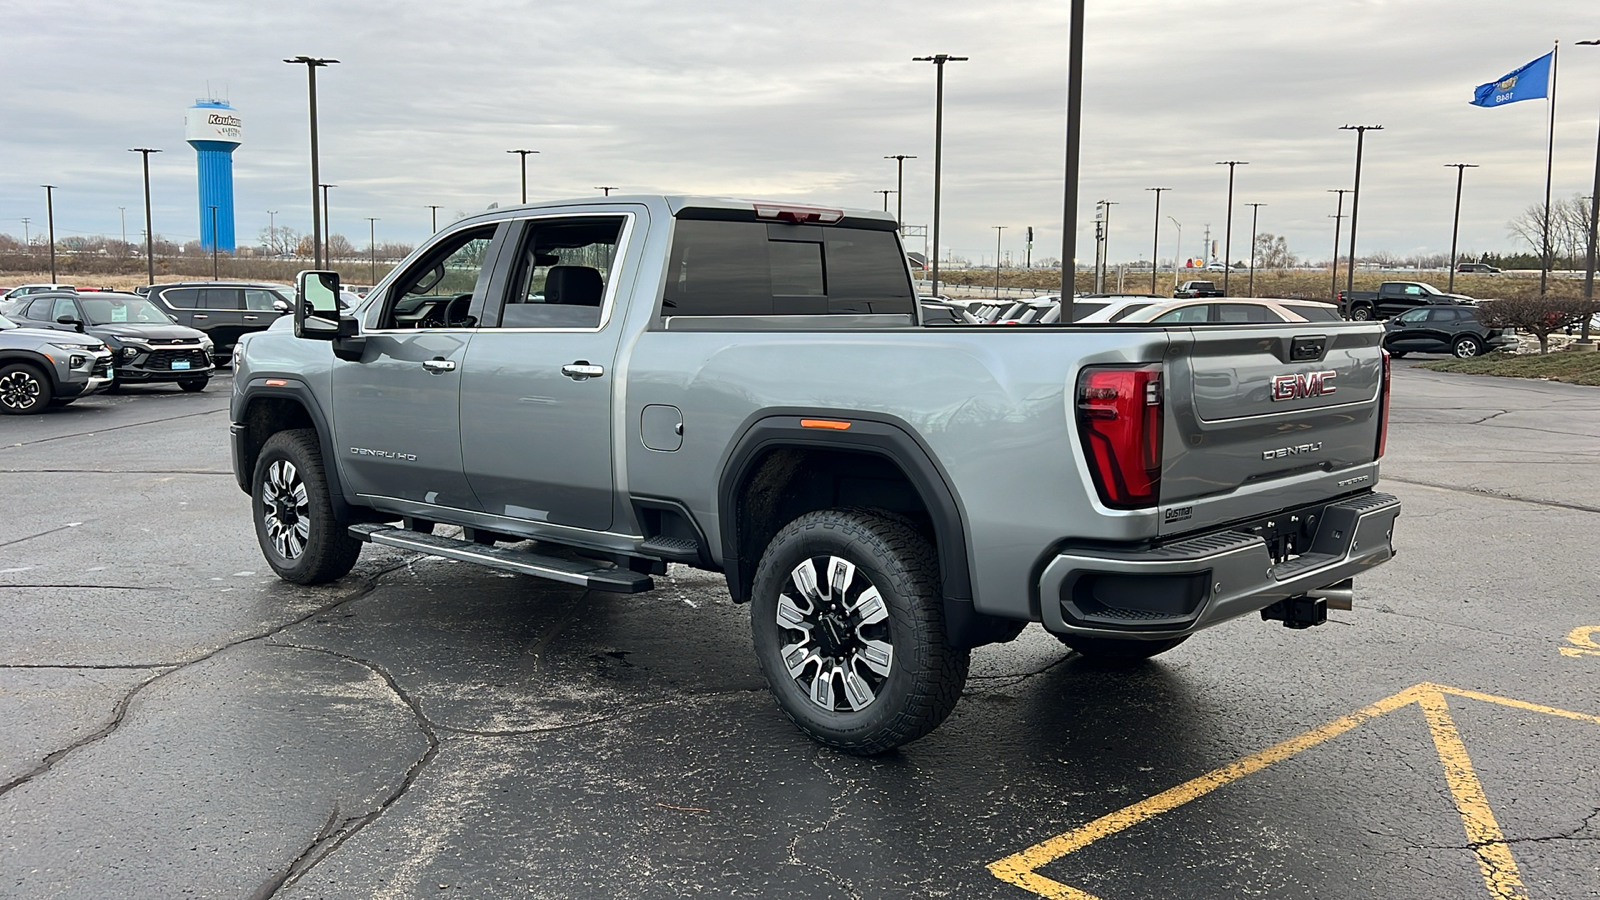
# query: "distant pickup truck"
(590, 390)
(1393, 298)
(1196, 289)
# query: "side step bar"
(554, 568)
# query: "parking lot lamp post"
(900, 187)
(123, 212)
(1227, 234)
(938, 60)
(435, 220)
(1455, 226)
(1069, 194)
(149, 234)
(372, 247)
(327, 227)
(885, 199)
(998, 229)
(1355, 199)
(524, 156)
(1155, 239)
(1594, 231)
(1177, 250)
(1338, 219)
(214, 276)
(313, 63)
(608, 188)
(50, 217)
(1255, 210)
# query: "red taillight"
(1383, 409)
(1119, 420)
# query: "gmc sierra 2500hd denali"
(745, 387)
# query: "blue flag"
(1530, 82)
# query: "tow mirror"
(316, 307)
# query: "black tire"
(24, 389)
(1467, 347)
(909, 691)
(194, 385)
(1123, 649)
(1361, 313)
(288, 489)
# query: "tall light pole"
(50, 215)
(1594, 231)
(1155, 240)
(1254, 212)
(524, 156)
(608, 188)
(1069, 195)
(327, 227)
(938, 60)
(1338, 220)
(372, 246)
(434, 208)
(900, 187)
(214, 242)
(1177, 250)
(997, 231)
(885, 198)
(1355, 197)
(149, 235)
(1227, 234)
(123, 212)
(1455, 226)
(313, 63)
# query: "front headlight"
(71, 348)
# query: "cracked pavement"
(180, 723)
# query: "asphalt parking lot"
(178, 722)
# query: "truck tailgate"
(1254, 411)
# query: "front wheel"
(1466, 347)
(848, 622)
(1361, 313)
(293, 512)
(194, 385)
(1122, 649)
(23, 390)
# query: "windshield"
(117, 310)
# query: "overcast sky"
(800, 101)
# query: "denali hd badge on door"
(1310, 384)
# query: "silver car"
(40, 369)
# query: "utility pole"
(1254, 212)
(1355, 198)
(608, 188)
(149, 234)
(524, 155)
(1455, 226)
(1155, 240)
(214, 242)
(1105, 246)
(938, 60)
(26, 242)
(50, 214)
(1338, 219)
(312, 64)
(327, 228)
(123, 212)
(372, 246)
(997, 230)
(1594, 231)
(272, 231)
(1227, 234)
(900, 187)
(435, 209)
(885, 199)
(1177, 251)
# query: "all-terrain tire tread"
(331, 552)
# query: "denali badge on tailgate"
(1310, 384)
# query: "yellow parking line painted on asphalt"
(1494, 856)
(1583, 641)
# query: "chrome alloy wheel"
(285, 510)
(20, 389)
(841, 655)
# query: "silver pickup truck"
(591, 390)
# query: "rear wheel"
(1119, 648)
(1361, 313)
(194, 385)
(848, 623)
(24, 389)
(1466, 347)
(293, 512)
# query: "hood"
(135, 332)
(52, 336)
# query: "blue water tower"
(213, 129)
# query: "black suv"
(1444, 329)
(224, 310)
(146, 345)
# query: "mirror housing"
(317, 310)
(281, 306)
(68, 320)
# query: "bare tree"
(1272, 252)
(1569, 230)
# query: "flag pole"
(1549, 169)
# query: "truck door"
(540, 378)
(397, 409)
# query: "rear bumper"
(1182, 587)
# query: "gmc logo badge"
(1310, 384)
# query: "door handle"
(200, 317)
(251, 318)
(582, 371)
(439, 364)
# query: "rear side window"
(1317, 313)
(1251, 313)
(760, 269)
(260, 299)
(1442, 314)
(182, 298)
(221, 298)
(1193, 314)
